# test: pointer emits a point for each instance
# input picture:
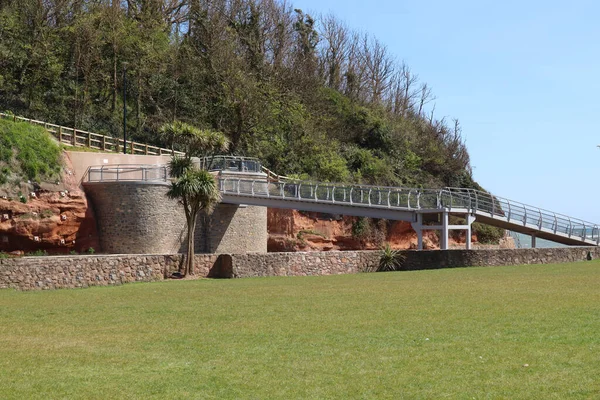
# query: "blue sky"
(521, 76)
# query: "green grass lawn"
(452, 333)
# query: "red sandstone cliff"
(291, 230)
(53, 217)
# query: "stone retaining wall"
(40, 273)
(435, 259)
(301, 264)
(36, 273)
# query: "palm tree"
(197, 190)
(194, 186)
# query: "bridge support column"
(418, 227)
(533, 241)
(444, 227)
(470, 220)
(444, 233)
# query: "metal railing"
(80, 138)
(232, 164)
(451, 199)
(127, 172)
(400, 198)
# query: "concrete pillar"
(418, 227)
(533, 241)
(470, 219)
(444, 233)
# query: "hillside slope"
(41, 205)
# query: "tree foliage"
(192, 184)
(306, 94)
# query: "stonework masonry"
(37, 273)
(138, 218)
(41, 273)
(233, 229)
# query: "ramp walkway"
(245, 181)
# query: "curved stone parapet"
(137, 217)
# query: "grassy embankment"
(506, 332)
(27, 152)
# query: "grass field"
(510, 332)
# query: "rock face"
(291, 230)
(53, 217)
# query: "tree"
(192, 184)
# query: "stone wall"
(233, 229)
(31, 273)
(301, 264)
(41, 273)
(137, 218)
(435, 259)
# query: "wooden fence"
(79, 138)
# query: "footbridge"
(243, 181)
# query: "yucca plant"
(390, 259)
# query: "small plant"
(361, 228)
(91, 250)
(46, 214)
(390, 259)
(22, 198)
(3, 255)
(73, 253)
(303, 232)
(37, 253)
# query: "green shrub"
(361, 229)
(487, 234)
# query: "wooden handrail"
(78, 138)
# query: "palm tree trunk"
(190, 249)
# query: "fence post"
(146, 148)
(103, 143)
(60, 134)
(132, 148)
(74, 137)
(89, 140)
